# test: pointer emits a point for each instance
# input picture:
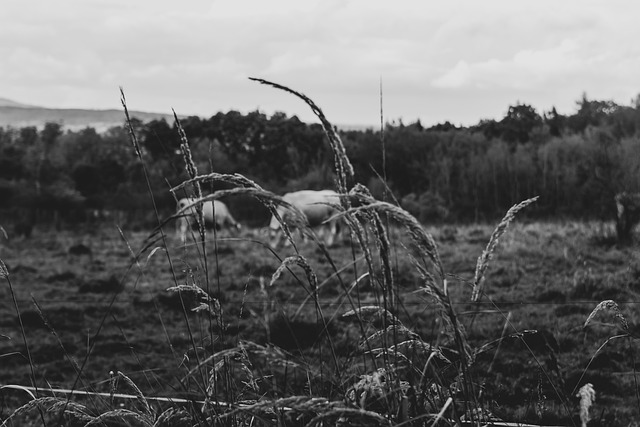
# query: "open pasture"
(89, 307)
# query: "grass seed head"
(608, 305)
(487, 254)
(344, 169)
(587, 396)
(4, 273)
(302, 263)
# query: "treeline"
(575, 164)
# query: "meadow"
(400, 323)
(102, 311)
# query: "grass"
(400, 324)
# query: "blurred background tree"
(576, 163)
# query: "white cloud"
(443, 60)
(290, 62)
(526, 69)
(459, 76)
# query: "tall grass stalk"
(344, 169)
(487, 254)
(192, 172)
(4, 274)
(367, 210)
(138, 151)
(313, 283)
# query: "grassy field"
(398, 324)
(89, 308)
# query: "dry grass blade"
(42, 402)
(395, 330)
(152, 253)
(372, 313)
(264, 196)
(72, 409)
(421, 239)
(52, 405)
(487, 254)
(401, 355)
(418, 344)
(120, 415)
(442, 411)
(608, 305)
(454, 328)
(343, 166)
(173, 417)
(72, 361)
(215, 359)
(206, 302)
(240, 355)
(349, 417)
(302, 263)
(4, 273)
(301, 404)
(139, 396)
(17, 387)
(227, 360)
(372, 217)
(273, 355)
(235, 179)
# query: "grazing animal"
(223, 218)
(318, 209)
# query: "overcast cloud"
(460, 61)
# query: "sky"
(459, 61)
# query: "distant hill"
(17, 115)
(4, 102)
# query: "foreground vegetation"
(545, 279)
(397, 325)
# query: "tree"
(12, 161)
(49, 136)
(591, 113)
(193, 127)
(28, 136)
(520, 120)
(159, 139)
(88, 181)
(555, 121)
(84, 146)
(489, 128)
(46, 171)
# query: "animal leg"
(332, 233)
(181, 229)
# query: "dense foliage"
(575, 163)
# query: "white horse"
(318, 209)
(222, 218)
